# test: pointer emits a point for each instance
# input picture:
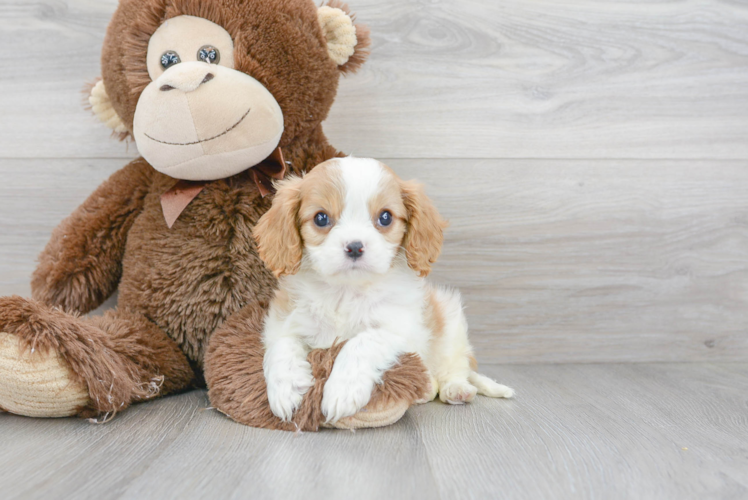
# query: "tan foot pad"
(35, 384)
(373, 417)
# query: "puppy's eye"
(385, 218)
(321, 219)
(169, 59)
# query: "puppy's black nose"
(354, 250)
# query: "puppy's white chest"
(340, 316)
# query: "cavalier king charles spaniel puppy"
(351, 244)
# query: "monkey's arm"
(82, 263)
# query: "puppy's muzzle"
(354, 250)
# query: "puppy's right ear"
(277, 232)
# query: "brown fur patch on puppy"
(389, 197)
(434, 315)
(322, 191)
(473, 362)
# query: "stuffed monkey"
(221, 98)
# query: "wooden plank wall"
(592, 157)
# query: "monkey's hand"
(82, 263)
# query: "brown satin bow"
(176, 199)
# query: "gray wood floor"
(575, 431)
(592, 157)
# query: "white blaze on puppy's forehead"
(363, 178)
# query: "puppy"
(351, 244)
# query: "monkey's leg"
(53, 364)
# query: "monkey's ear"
(347, 43)
(102, 107)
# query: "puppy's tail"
(488, 387)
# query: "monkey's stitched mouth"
(204, 140)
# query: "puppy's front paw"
(345, 396)
(285, 391)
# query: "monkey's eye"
(208, 54)
(321, 219)
(385, 218)
(169, 59)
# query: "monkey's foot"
(37, 384)
(375, 415)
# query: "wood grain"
(267, 464)
(558, 261)
(596, 431)
(596, 261)
(468, 79)
(611, 431)
(549, 79)
(52, 49)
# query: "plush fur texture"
(178, 286)
(202, 121)
(238, 386)
(121, 357)
(365, 238)
(293, 62)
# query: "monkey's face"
(199, 118)
(209, 88)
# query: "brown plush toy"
(221, 97)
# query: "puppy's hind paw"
(457, 392)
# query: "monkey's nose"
(354, 250)
(166, 87)
(186, 77)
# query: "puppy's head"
(353, 216)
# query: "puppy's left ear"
(277, 232)
(347, 43)
(425, 229)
